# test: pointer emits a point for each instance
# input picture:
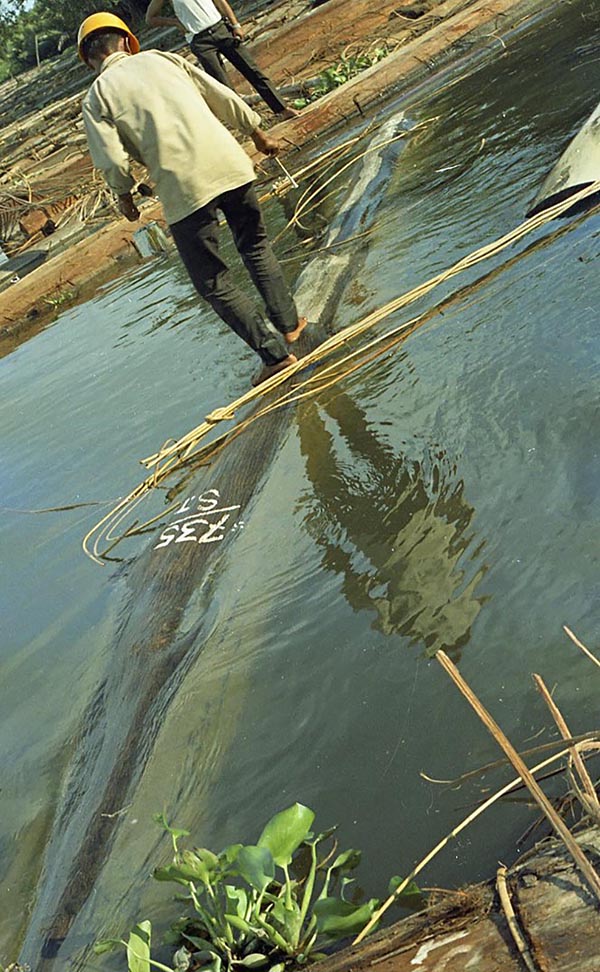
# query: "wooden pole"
(532, 785)
(563, 728)
(580, 645)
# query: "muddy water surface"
(445, 496)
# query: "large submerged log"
(167, 615)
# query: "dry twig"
(590, 800)
(446, 840)
(579, 644)
(533, 786)
(511, 918)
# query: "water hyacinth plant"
(257, 906)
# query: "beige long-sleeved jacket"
(159, 109)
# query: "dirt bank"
(69, 278)
(425, 39)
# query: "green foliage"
(412, 895)
(62, 297)
(46, 27)
(138, 947)
(349, 66)
(257, 906)
(281, 834)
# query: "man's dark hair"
(101, 43)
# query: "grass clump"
(348, 67)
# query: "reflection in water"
(394, 530)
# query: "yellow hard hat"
(102, 21)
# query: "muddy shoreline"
(444, 37)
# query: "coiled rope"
(176, 453)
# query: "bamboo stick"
(584, 776)
(511, 918)
(446, 840)
(166, 460)
(354, 330)
(533, 786)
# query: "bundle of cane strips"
(176, 453)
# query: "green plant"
(61, 298)
(257, 906)
(349, 66)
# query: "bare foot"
(269, 370)
(288, 113)
(292, 336)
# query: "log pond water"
(445, 496)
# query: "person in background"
(213, 32)
(169, 115)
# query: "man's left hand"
(237, 31)
(128, 208)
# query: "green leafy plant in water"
(349, 66)
(60, 298)
(257, 906)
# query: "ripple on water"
(446, 495)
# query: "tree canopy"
(46, 27)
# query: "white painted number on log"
(199, 519)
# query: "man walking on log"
(213, 33)
(171, 116)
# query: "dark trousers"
(209, 43)
(196, 238)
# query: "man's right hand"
(265, 144)
(128, 208)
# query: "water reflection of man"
(396, 543)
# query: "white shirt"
(196, 15)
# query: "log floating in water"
(469, 930)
